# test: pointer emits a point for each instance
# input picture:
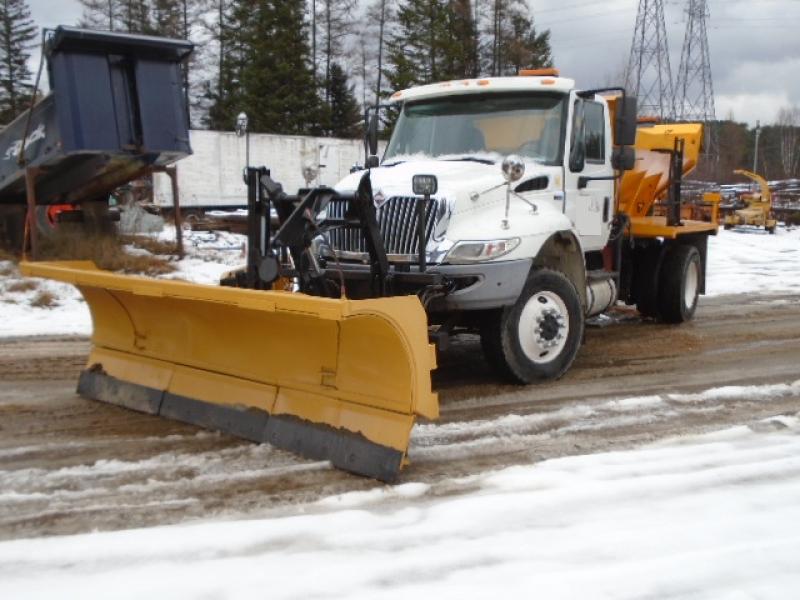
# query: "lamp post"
(243, 130)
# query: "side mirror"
(625, 126)
(372, 162)
(623, 158)
(372, 134)
(577, 151)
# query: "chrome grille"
(397, 220)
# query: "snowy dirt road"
(69, 465)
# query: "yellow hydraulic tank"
(334, 379)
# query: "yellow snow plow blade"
(333, 379)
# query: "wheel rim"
(691, 284)
(543, 327)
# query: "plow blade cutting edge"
(330, 379)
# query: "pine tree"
(99, 14)
(434, 40)
(461, 48)
(345, 117)
(226, 98)
(511, 39)
(133, 16)
(522, 47)
(17, 35)
(266, 69)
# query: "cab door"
(588, 180)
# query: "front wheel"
(539, 336)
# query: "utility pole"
(755, 152)
(648, 75)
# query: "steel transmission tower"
(695, 93)
(648, 75)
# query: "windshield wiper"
(477, 159)
(394, 164)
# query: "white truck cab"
(518, 176)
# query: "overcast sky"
(754, 45)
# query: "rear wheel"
(646, 280)
(681, 275)
(538, 337)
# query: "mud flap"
(333, 379)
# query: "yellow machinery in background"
(758, 212)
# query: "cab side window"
(595, 132)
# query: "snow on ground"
(750, 260)
(708, 516)
(740, 261)
(68, 313)
(208, 256)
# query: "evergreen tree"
(522, 47)
(133, 16)
(345, 117)
(512, 42)
(99, 14)
(226, 99)
(461, 48)
(434, 40)
(265, 69)
(17, 35)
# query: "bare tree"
(788, 124)
(336, 19)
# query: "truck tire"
(646, 281)
(538, 337)
(680, 284)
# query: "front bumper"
(478, 286)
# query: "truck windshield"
(481, 126)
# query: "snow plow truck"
(514, 207)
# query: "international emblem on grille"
(379, 199)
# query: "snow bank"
(69, 314)
(208, 256)
(753, 261)
(709, 516)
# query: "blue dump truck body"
(116, 107)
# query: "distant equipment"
(758, 212)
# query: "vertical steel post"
(30, 218)
(172, 172)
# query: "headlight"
(467, 252)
